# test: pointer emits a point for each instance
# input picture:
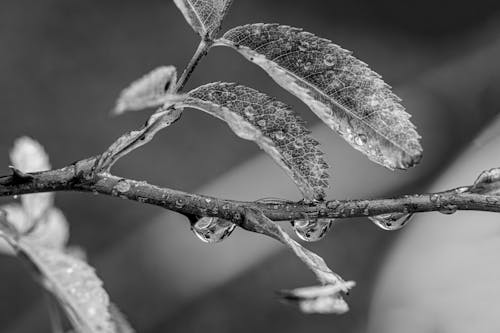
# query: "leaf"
(74, 283)
(488, 182)
(51, 231)
(204, 16)
(272, 125)
(256, 221)
(148, 91)
(343, 92)
(28, 155)
(135, 139)
(317, 299)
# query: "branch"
(202, 50)
(79, 177)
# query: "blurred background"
(62, 64)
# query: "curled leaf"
(488, 182)
(256, 221)
(272, 125)
(343, 92)
(323, 299)
(28, 155)
(204, 16)
(135, 139)
(148, 91)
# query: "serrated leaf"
(135, 139)
(75, 284)
(272, 125)
(343, 92)
(488, 182)
(204, 16)
(148, 91)
(28, 155)
(256, 221)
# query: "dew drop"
(179, 203)
(298, 143)
(249, 112)
(491, 200)
(435, 198)
(329, 60)
(391, 221)
(122, 186)
(312, 230)
(303, 45)
(448, 209)
(212, 229)
(261, 123)
(361, 139)
(279, 135)
(15, 197)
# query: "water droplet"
(249, 112)
(435, 198)
(329, 60)
(179, 203)
(463, 189)
(303, 45)
(212, 229)
(122, 186)
(261, 123)
(361, 139)
(491, 200)
(279, 135)
(448, 209)
(391, 221)
(311, 230)
(15, 197)
(298, 143)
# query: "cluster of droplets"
(212, 229)
(312, 229)
(391, 221)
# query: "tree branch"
(79, 177)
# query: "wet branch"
(79, 177)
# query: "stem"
(201, 51)
(79, 177)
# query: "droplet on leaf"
(329, 60)
(212, 229)
(361, 139)
(312, 230)
(279, 135)
(391, 221)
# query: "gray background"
(62, 63)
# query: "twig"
(78, 177)
(202, 50)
